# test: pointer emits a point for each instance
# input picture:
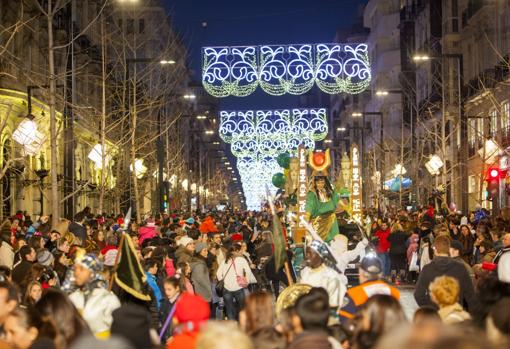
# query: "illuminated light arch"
(255, 133)
(285, 69)
(257, 137)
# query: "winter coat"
(20, 271)
(152, 281)
(397, 240)
(453, 314)
(6, 255)
(147, 233)
(446, 266)
(383, 245)
(183, 255)
(97, 309)
(200, 278)
(229, 274)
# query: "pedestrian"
(9, 298)
(468, 241)
(221, 335)
(173, 290)
(443, 264)
(383, 247)
(200, 272)
(505, 249)
(25, 328)
(91, 297)
(444, 292)
(33, 294)
(258, 313)
(69, 324)
(6, 245)
(152, 266)
(191, 315)
(78, 229)
(398, 257)
(237, 275)
(27, 258)
(185, 249)
(380, 315)
(371, 283)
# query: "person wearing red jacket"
(383, 247)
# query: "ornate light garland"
(255, 133)
(281, 69)
(257, 137)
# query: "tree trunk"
(133, 152)
(55, 202)
(104, 170)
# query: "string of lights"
(285, 69)
(257, 137)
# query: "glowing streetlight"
(29, 137)
(96, 156)
(381, 93)
(209, 132)
(189, 96)
(165, 61)
(341, 129)
(356, 114)
(201, 117)
(185, 184)
(328, 141)
(216, 143)
(139, 168)
(434, 164)
(421, 58)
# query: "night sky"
(242, 22)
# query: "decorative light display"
(29, 137)
(255, 133)
(140, 169)
(96, 156)
(257, 137)
(285, 69)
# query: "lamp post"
(160, 154)
(41, 173)
(463, 151)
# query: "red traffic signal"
(494, 173)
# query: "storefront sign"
(302, 183)
(356, 184)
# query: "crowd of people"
(58, 287)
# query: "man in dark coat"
(20, 270)
(78, 228)
(443, 264)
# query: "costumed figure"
(343, 256)
(322, 198)
(318, 274)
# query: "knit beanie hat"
(133, 323)
(44, 257)
(200, 246)
(184, 241)
(91, 262)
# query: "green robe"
(322, 214)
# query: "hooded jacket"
(446, 266)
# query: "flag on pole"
(129, 274)
(280, 254)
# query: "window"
(141, 25)
(505, 117)
(455, 16)
(120, 24)
(493, 114)
(130, 26)
(472, 185)
(472, 131)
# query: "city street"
(166, 165)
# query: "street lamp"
(201, 117)
(209, 132)
(139, 168)
(341, 129)
(328, 141)
(164, 61)
(421, 57)
(189, 96)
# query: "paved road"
(407, 300)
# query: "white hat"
(464, 220)
(184, 241)
(504, 268)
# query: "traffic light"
(493, 177)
